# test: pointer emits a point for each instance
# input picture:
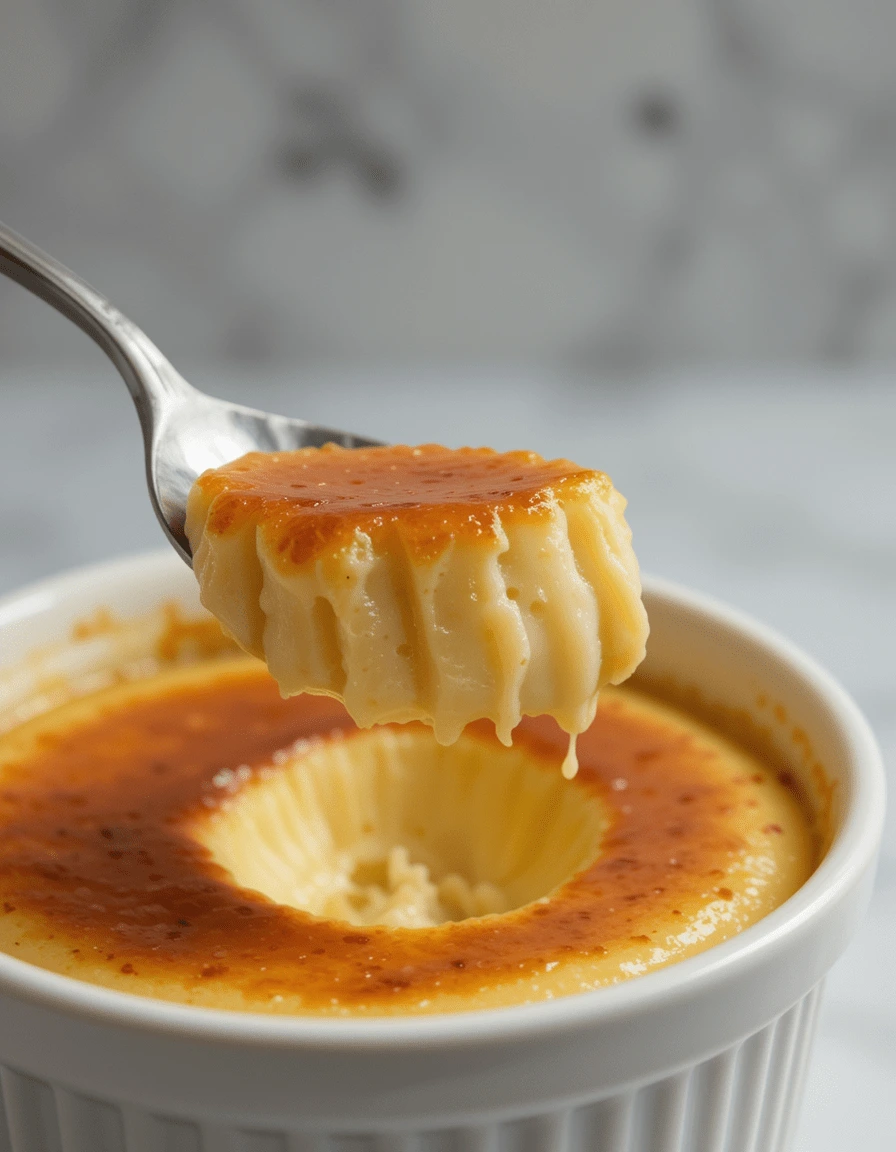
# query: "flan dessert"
(424, 584)
(195, 836)
(380, 828)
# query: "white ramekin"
(705, 1055)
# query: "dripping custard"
(431, 584)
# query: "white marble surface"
(774, 492)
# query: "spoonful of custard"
(431, 584)
(424, 583)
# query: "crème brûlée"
(197, 837)
(429, 584)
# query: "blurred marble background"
(604, 184)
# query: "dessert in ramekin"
(706, 1052)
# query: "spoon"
(184, 431)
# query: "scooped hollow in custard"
(430, 584)
(194, 837)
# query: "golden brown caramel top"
(97, 851)
(313, 499)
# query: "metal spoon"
(184, 431)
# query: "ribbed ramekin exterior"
(743, 1099)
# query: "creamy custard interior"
(198, 838)
(424, 583)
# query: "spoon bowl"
(184, 430)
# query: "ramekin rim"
(847, 858)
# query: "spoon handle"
(151, 379)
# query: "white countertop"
(776, 493)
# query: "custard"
(424, 583)
(195, 837)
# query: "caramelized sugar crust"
(312, 500)
(102, 876)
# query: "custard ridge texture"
(443, 586)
